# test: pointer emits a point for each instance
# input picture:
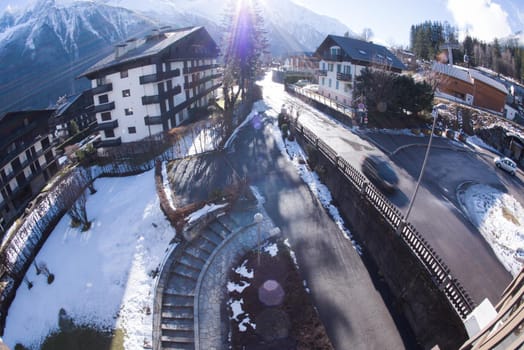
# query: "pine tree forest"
(504, 56)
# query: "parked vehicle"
(506, 164)
(379, 171)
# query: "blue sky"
(390, 21)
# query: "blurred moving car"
(378, 170)
(506, 164)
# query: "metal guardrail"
(437, 269)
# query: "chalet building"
(470, 86)
(302, 62)
(72, 112)
(341, 61)
(27, 160)
(150, 85)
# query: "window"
(124, 74)
(336, 85)
(109, 133)
(329, 82)
(100, 81)
(106, 116)
(129, 111)
(347, 70)
(103, 99)
(323, 81)
(323, 65)
(330, 67)
(335, 51)
(131, 130)
(339, 68)
(126, 93)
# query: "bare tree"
(75, 200)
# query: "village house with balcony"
(150, 85)
(28, 160)
(341, 61)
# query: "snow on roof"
(487, 80)
(469, 75)
(150, 47)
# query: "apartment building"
(27, 160)
(73, 113)
(150, 85)
(341, 61)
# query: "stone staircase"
(177, 311)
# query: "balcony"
(157, 120)
(322, 73)
(190, 70)
(102, 88)
(149, 100)
(156, 77)
(330, 57)
(203, 80)
(344, 77)
(109, 143)
(104, 107)
(108, 125)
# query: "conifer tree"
(244, 44)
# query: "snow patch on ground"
(233, 287)
(206, 209)
(477, 142)
(243, 271)
(271, 249)
(167, 188)
(500, 220)
(103, 277)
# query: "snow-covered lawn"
(500, 219)
(103, 277)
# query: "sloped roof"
(360, 50)
(468, 75)
(152, 45)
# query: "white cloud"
(484, 19)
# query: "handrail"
(437, 269)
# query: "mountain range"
(45, 44)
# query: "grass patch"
(84, 338)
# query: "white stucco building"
(150, 85)
(341, 61)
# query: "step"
(180, 285)
(204, 244)
(189, 265)
(212, 236)
(177, 300)
(181, 336)
(189, 259)
(180, 324)
(177, 346)
(178, 312)
(228, 222)
(185, 270)
(195, 250)
(175, 275)
(217, 229)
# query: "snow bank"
(500, 220)
(103, 277)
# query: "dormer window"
(335, 51)
(362, 52)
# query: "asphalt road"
(436, 213)
(350, 307)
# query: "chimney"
(120, 50)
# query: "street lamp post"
(258, 220)
(434, 113)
